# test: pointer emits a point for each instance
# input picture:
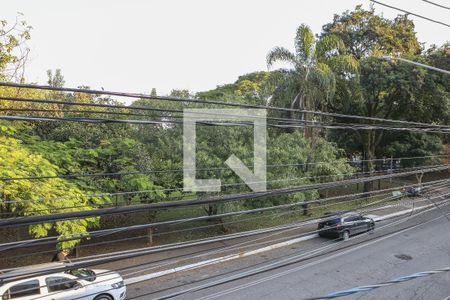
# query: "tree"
(366, 34)
(286, 148)
(314, 61)
(252, 88)
(56, 80)
(26, 198)
(440, 58)
(13, 48)
(383, 89)
(413, 144)
(180, 93)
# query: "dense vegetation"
(336, 71)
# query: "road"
(393, 250)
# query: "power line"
(104, 232)
(284, 262)
(289, 121)
(304, 256)
(200, 201)
(116, 203)
(68, 176)
(180, 189)
(309, 254)
(8, 277)
(280, 214)
(127, 193)
(437, 4)
(410, 13)
(389, 58)
(368, 288)
(68, 103)
(176, 120)
(244, 242)
(168, 121)
(200, 254)
(145, 108)
(295, 257)
(315, 177)
(208, 252)
(303, 223)
(176, 99)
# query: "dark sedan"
(343, 225)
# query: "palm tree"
(316, 62)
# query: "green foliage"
(295, 152)
(383, 89)
(366, 34)
(337, 71)
(316, 63)
(26, 198)
(252, 88)
(13, 51)
(440, 58)
(414, 144)
(55, 80)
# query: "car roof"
(31, 269)
(339, 213)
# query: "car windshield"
(85, 274)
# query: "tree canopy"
(337, 70)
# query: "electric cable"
(200, 201)
(410, 13)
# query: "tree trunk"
(307, 106)
(211, 209)
(305, 209)
(419, 179)
(77, 251)
(150, 236)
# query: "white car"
(83, 284)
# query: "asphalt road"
(387, 254)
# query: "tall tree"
(383, 89)
(314, 63)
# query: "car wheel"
(103, 297)
(346, 235)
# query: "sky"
(137, 45)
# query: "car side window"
(352, 219)
(59, 283)
(27, 288)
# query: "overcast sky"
(134, 45)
